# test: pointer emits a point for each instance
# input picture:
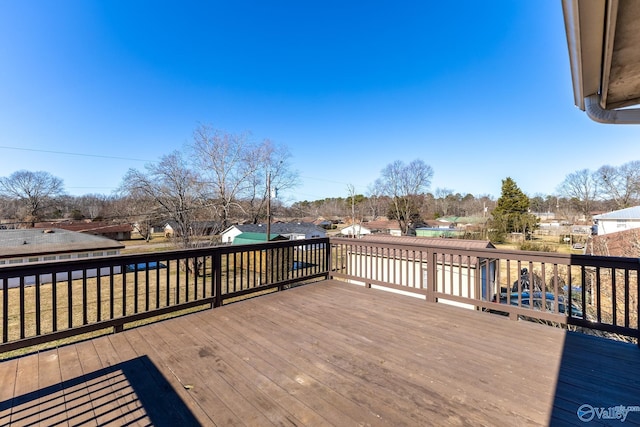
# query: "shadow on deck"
(127, 393)
(328, 354)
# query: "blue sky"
(478, 90)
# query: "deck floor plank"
(375, 365)
(152, 391)
(326, 354)
(51, 393)
(203, 401)
(274, 376)
(104, 389)
(25, 404)
(77, 401)
(8, 373)
(199, 372)
(439, 347)
(124, 396)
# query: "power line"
(66, 153)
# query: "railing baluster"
(38, 306)
(22, 308)
(111, 293)
(85, 318)
(69, 300)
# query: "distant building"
(102, 228)
(251, 238)
(355, 230)
(198, 228)
(289, 230)
(33, 245)
(620, 220)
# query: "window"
(34, 259)
(112, 253)
(83, 255)
(97, 254)
(49, 258)
(66, 256)
(16, 261)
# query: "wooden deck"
(325, 354)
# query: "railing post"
(432, 274)
(217, 278)
(328, 259)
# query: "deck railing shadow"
(122, 394)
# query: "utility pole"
(268, 204)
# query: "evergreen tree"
(511, 214)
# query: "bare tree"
(225, 162)
(621, 183)
(443, 201)
(174, 188)
(582, 187)
(236, 171)
(373, 201)
(35, 190)
(271, 168)
(403, 183)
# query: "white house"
(620, 220)
(355, 230)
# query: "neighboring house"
(105, 229)
(385, 226)
(439, 232)
(324, 223)
(621, 244)
(290, 230)
(198, 228)
(36, 245)
(355, 230)
(620, 220)
(469, 277)
(250, 238)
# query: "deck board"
(324, 354)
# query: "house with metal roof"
(33, 245)
(251, 238)
(290, 230)
(97, 228)
(36, 244)
(620, 220)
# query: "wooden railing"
(599, 293)
(50, 301)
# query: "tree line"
(225, 178)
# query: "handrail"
(594, 292)
(48, 301)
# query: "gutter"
(629, 116)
